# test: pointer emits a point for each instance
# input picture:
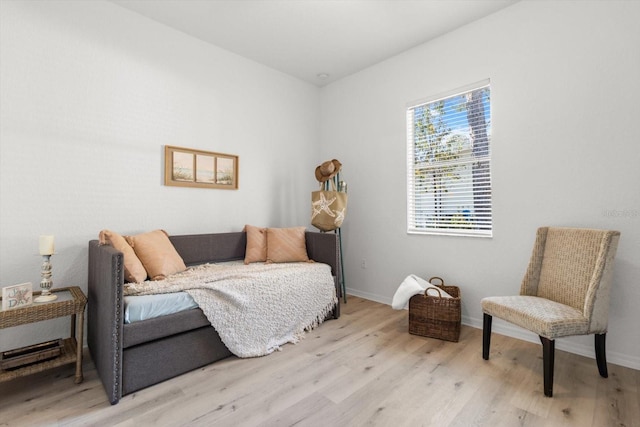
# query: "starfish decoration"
(21, 297)
(322, 205)
(339, 217)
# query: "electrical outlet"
(363, 264)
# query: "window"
(449, 163)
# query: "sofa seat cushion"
(549, 319)
(160, 327)
(145, 307)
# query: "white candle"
(46, 245)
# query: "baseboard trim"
(513, 331)
(368, 295)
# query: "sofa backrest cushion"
(286, 245)
(157, 254)
(215, 247)
(133, 269)
(256, 244)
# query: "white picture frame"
(17, 296)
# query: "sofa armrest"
(325, 248)
(104, 315)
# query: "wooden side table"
(71, 302)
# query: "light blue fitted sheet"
(143, 307)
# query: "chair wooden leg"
(486, 335)
(601, 357)
(548, 354)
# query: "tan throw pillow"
(286, 245)
(157, 254)
(133, 269)
(256, 244)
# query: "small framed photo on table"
(17, 296)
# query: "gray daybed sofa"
(129, 357)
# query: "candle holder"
(46, 283)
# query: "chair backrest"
(573, 266)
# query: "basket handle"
(439, 278)
(426, 292)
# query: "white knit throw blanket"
(254, 308)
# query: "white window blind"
(449, 163)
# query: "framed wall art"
(185, 167)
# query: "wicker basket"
(434, 316)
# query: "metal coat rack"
(338, 231)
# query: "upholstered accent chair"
(565, 291)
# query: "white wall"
(90, 94)
(564, 89)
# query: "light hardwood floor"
(362, 369)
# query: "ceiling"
(318, 41)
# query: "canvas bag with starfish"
(328, 205)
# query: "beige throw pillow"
(133, 269)
(256, 250)
(157, 254)
(286, 245)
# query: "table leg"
(79, 338)
(73, 326)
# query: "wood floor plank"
(362, 369)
